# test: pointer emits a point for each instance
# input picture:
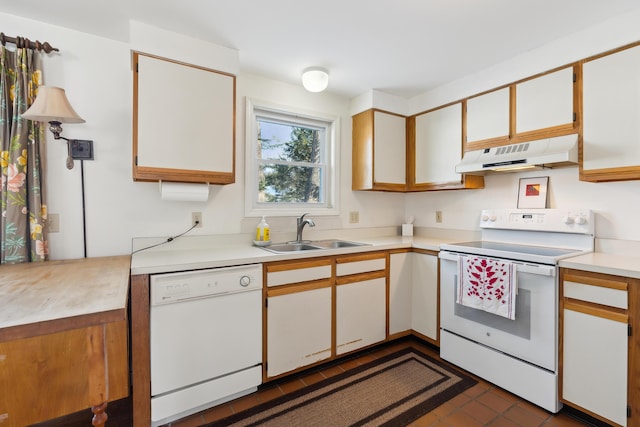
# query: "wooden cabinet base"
(47, 376)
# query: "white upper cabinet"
(183, 122)
(438, 145)
(611, 108)
(488, 116)
(379, 144)
(545, 102)
(389, 148)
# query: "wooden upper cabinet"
(435, 147)
(539, 107)
(488, 117)
(379, 151)
(183, 122)
(611, 108)
(545, 104)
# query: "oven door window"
(520, 327)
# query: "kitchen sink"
(313, 245)
(290, 247)
(336, 244)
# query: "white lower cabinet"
(400, 279)
(595, 364)
(360, 314)
(304, 325)
(595, 344)
(298, 330)
(299, 309)
(413, 294)
(361, 301)
(424, 295)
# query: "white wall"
(616, 204)
(96, 74)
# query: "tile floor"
(481, 405)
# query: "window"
(290, 161)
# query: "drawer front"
(596, 294)
(286, 277)
(344, 269)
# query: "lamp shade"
(52, 105)
(315, 79)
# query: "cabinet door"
(438, 146)
(424, 295)
(378, 151)
(413, 294)
(389, 148)
(360, 314)
(595, 343)
(545, 102)
(400, 288)
(595, 364)
(361, 302)
(488, 116)
(298, 330)
(611, 107)
(183, 122)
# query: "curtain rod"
(24, 42)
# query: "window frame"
(288, 113)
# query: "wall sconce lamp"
(51, 105)
(315, 79)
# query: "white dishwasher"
(206, 339)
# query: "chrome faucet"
(301, 222)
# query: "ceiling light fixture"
(51, 105)
(315, 79)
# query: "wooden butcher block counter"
(63, 338)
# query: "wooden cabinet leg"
(99, 415)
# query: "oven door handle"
(448, 256)
(521, 267)
(539, 269)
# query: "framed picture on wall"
(532, 193)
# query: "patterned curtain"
(23, 235)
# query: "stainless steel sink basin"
(290, 247)
(311, 245)
(336, 244)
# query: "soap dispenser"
(262, 231)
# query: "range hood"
(543, 153)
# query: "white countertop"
(607, 263)
(167, 258)
(202, 252)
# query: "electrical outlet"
(196, 217)
(354, 217)
(438, 216)
(54, 222)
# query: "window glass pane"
(282, 183)
(289, 142)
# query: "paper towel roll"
(183, 192)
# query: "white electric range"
(519, 354)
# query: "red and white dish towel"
(488, 284)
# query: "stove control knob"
(485, 218)
(580, 220)
(492, 218)
(567, 220)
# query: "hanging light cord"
(169, 239)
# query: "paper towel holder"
(185, 197)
